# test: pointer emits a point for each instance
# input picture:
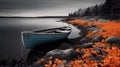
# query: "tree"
(111, 8)
(87, 11)
(96, 10)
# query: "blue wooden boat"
(33, 39)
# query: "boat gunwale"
(32, 32)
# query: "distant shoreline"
(34, 17)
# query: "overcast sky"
(43, 7)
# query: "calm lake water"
(10, 32)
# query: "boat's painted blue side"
(32, 40)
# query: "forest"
(108, 10)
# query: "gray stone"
(97, 49)
(81, 53)
(94, 58)
(84, 40)
(62, 54)
(104, 53)
(69, 54)
(113, 40)
(54, 52)
(95, 31)
(118, 45)
(96, 38)
(65, 63)
(86, 45)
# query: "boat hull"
(31, 40)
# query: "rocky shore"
(97, 46)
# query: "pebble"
(96, 38)
(95, 31)
(84, 40)
(81, 53)
(65, 63)
(97, 49)
(69, 52)
(113, 40)
(62, 54)
(86, 45)
(94, 58)
(104, 53)
(54, 52)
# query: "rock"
(118, 45)
(94, 58)
(54, 52)
(86, 45)
(84, 31)
(69, 53)
(81, 53)
(97, 49)
(113, 40)
(96, 38)
(65, 63)
(57, 53)
(65, 46)
(95, 31)
(104, 53)
(93, 28)
(84, 40)
(62, 54)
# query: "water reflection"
(37, 53)
(10, 33)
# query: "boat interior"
(55, 30)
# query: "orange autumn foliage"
(112, 59)
(112, 28)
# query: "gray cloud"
(14, 7)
